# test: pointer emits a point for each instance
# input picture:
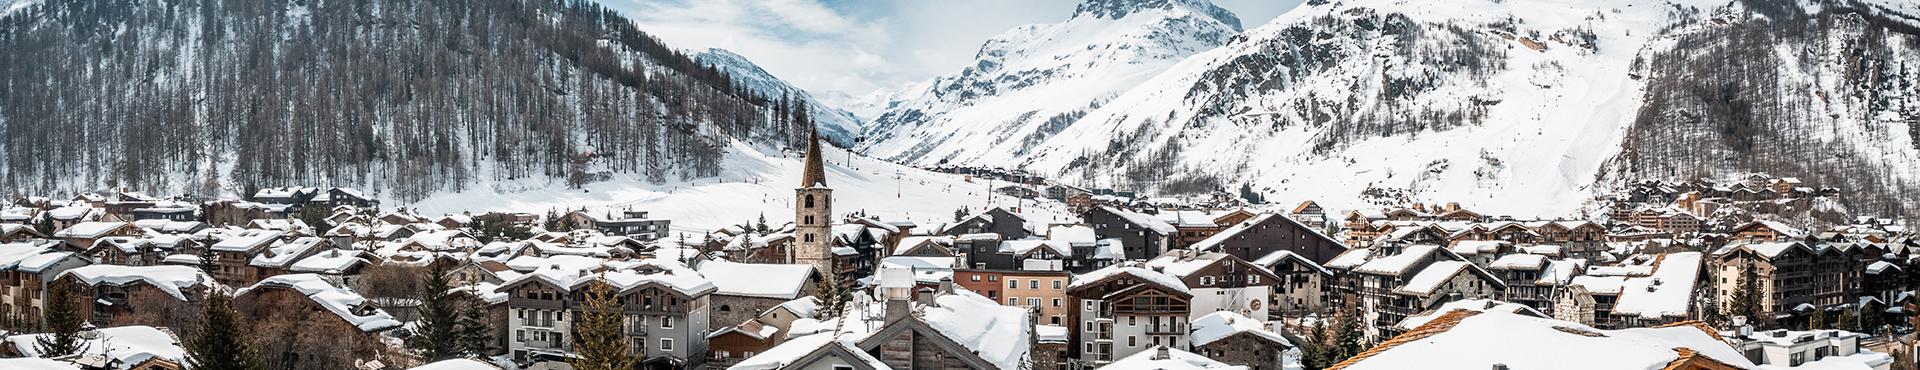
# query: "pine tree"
(218, 345)
(1316, 353)
(830, 294)
(476, 336)
(1846, 321)
(599, 342)
(762, 225)
(437, 337)
(1745, 301)
(64, 324)
(1348, 342)
(1818, 320)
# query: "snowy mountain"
(1027, 83)
(835, 125)
(1524, 107)
(402, 98)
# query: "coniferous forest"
(401, 97)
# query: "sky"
(854, 47)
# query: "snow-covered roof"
(1472, 247)
(652, 272)
(1133, 270)
(89, 229)
(1222, 324)
(246, 240)
(456, 364)
(280, 254)
(1666, 293)
(127, 344)
(331, 261)
(1350, 259)
(1143, 220)
(1464, 339)
(1176, 359)
(1022, 247)
(1881, 266)
(1050, 333)
(342, 302)
(1519, 261)
(168, 278)
(1764, 249)
(758, 280)
(1435, 275)
(1399, 263)
(1071, 233)
(34, 363)
(998, 334)
(1471, 304)
(925, 269)
(1271, 259)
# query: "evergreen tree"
(1818, 320)
(1348, 341)
(762, 225)
(1745, 301)
(64, 324)
(315, 217)
(476, 336)
(1315, 353)
(1846, 321)
(436, 337)
(218, 344)
(599, 342)
(830, 294)
(45, 225)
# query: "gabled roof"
(758, 280)
(1128, 270)
(1142, 220)
(1223, 324)
(1463, 339)
(1213, 242)
(1277, 257)
(342, 302)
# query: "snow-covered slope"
(1511, 107)
(835, 124)
(1026, 83)
(754, 181)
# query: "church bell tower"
(813, 213)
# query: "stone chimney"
(925, 297)
(898, 309)
(1161, 353)
(946, 285)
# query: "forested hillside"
(401, 97)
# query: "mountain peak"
(1116, 9)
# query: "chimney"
(925, 297)
(946, 285)
(897, 309)
(1161, 353)
(1453, 206)
(1499, 366)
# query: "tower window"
(809, 200)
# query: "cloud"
(854, 47)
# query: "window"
(1013, 283)
(726, 308)
(1253, 279)
(666, 322)
(1012, 301)
(1133, 341)
(1133, 321)
(1056, 303)
(993, 277)
(1206, 280)
(666, 344)
(1056, 285)
(520, 335)
(1033, 284)
(1033, 302)
(809, 200)
(975, 278)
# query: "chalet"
(1219, 282)
(1268, 233)
(81, 236)
(1766, 231)
(1142, 236)
(27, 270)
(1239, 340)
(1311, 214)
(1784, 274)
(668, 309)
(233, 254)
(1125, 309)
(997, 220)
(931, 328)
(1533, 280)
(16, 232)
(630, 223)
(1299, 286)
(746, 291)
(1654, 291)
(1583, 239)
(116, 294)
(285, 195)
(343, 318)
(279, 256)
(337, 197)
(1416, 278)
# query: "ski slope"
(758, 181)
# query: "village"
(325, 278)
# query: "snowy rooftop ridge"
(342, 302)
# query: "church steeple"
(816, 172)
(813, 213)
